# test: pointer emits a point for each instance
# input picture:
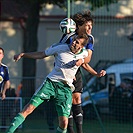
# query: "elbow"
(87, 60)
(8, 84)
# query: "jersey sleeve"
(68, 38)
(52, 50)
(90, 44)
(62, 38)
(55, 49)
(6, 77)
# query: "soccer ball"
(67, 25)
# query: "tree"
(29, 12)
(30, 45)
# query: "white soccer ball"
(67, 25)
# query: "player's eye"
(77, 41)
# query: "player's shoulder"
(70, 34)
(4, 66)
(66, 37)
(91, 38)
(90, 35)
(60, 46)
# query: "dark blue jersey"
(67, 38)
(4, 74)
(90, 44)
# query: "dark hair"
(85, 37)
(2, 49)
(82, 17)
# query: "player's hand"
(3, 96)
(102, 73)
(79, 62)
(18, 57)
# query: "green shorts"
(61, 93)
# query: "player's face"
(1, 55)
(85, 28)
(77, 46)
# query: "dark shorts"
(78, 82)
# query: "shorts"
(60, 92)
(78, 84)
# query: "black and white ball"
(67, 25)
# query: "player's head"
(1, 53)
(78, 43)
(84, 21)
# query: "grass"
(107, 127)
(37, 124)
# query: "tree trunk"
(30, 45)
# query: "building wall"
(110, 34)
(11, 40)
(48, 34)
(111, 41)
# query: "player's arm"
(89, 69)
(18, 89)
(32, 55)
(86, 60)
(90, 48)
(52, 50)
(6, 86)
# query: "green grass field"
(90, 126)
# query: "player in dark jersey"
(84, 23)
(4, 85)
(4, 76)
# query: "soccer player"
(4, 76)
(4, 85)
(84, 23)
(58, 83)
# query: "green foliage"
(99, 3)
(63, 3)
(94, 3)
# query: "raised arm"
(86, 60)
(89, 69)
(32, 55)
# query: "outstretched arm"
(32, 55)
(88, 68)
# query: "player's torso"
(2, 74)
(65, 68)
(68, 59)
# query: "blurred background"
(28, 26)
